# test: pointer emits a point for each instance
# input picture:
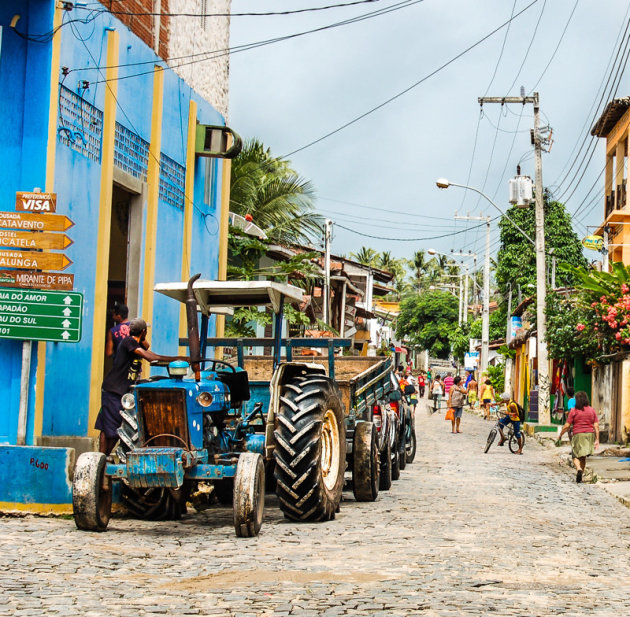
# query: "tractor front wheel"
(249, 495)
(91, 493)
(310, 449)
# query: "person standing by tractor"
(119, 331)
(124, 372)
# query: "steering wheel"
(222, 362)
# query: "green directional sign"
(41, 315)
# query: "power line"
(351, 203)
(354, 231)
(264, 14)
(414, 85)
(218, 53)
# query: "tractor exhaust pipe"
(194, 344)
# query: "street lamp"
(543, 368)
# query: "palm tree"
(279, 201)
(366, 256)
(419, 263)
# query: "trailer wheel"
(310, 449)
(154, 504)
(410, 445)
(365, 463)
(249, 495)
(91, 493)
(385, 480)
(396, 456)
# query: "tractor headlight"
(205, 399)
(128, 401)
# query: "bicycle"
(510, 437)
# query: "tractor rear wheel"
(249, 495)
(310, 449)
(365, 463)
(155, 504)
(91, 493)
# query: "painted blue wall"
(24, 84)
(77, 184)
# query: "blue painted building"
(90, 112)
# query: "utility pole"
(544, 416)
(326, 298)
(485, 312)
(461, 301)
(474, 256)
(605, 249)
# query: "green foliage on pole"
(428, 320)
(516, 259)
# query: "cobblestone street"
(461, 533)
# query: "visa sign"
(35, 202)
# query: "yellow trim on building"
(224, 230)
(36, 508)
(104, 225)
(153, 196)
(189, 205)
(53, 110)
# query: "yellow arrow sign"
(29, 240)
(27, 221)
(32, 260)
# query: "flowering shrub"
(598, 313)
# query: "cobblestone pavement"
(461, 533)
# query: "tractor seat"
(237, 383)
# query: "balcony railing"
(616, 200)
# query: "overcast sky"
(378, 175)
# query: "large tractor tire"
(310, 449)
(154, 504)
(91, 493)
(249, 495)
(410, 444)
(365, 462)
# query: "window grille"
(80, 124)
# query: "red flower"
(580, 327)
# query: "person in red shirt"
(583, 419)
(448, 383)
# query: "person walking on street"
(585, 438)
(487, 398)
(456, 400)
(421, 384)
(437, 391)
(513, 416)
(124, 372)
(471, 390)
(448, 383)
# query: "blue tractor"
(199, 424)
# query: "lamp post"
(543, 369)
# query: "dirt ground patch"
(239, 578)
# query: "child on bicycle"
(514, 417)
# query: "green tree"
(428, 320)
(366, 256)
(516, 259)
(278, 199)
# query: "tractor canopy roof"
(215, 296)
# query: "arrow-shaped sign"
(33, 260)
(67, 300)
(65, 335)
(66, 312)
(28, 240)
(27, 221)
(66, 324)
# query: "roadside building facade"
(102, 108)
